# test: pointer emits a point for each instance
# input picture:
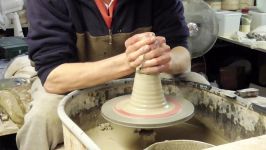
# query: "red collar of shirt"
(107, 14)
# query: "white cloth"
(4, 21)
(42, 129)
(20, 67)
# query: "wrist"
(180, 61)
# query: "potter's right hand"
(138, 45)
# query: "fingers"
(147, 57)
(157, 60)
(134, 57)
(135, 50)
(157, 52)
(159, 41)
(135, 54)
(161, 60)
(136, 46)
(155, 69)
(137, 62)
(149, 52)
(138, 37)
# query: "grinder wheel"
(203, 26)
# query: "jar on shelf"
(243, 4)
(245, 21)
(230, 4)
(215, 4)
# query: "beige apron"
(91, 48)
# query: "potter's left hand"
(158, 59)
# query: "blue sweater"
(54, 24)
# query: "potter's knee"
(41, 116)
(194, 77)
(36, 118)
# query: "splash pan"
(80, 113)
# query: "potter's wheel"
(165, 119)
(147, 107)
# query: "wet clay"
(15, 102)
(118, 138)
(11, 105)
(107, 135)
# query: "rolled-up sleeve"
(51, 37)
(169, 22)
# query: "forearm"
(180, 61)
(72, 76)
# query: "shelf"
(241, 44)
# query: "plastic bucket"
(179, 145)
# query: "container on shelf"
(245, 21)
(243, 4)
(258, 19)
(261, 5)
(215, 4)
(230, 4)
(229, 22)
(179, 145)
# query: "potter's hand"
(138, 45)
(156, 60)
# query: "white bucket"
(229, 22)
(179, 145)
(261, 5)
(258, 19)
